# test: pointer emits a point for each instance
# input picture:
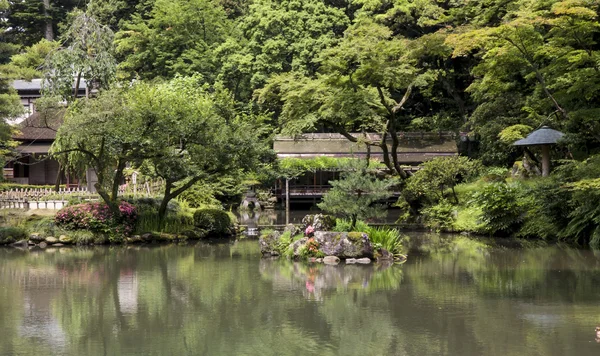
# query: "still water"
(454, 296)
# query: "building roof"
(543, 136)
(414, 147)
(36, 127)
(36, 85)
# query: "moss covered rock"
(10, 235)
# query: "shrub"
(501, 208)
(11, 234)
(439, 216)
(387, 238)
(440, 174)
(212, 220)
(97, 217)
(345, 225)
(584, 223)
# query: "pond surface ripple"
(454, 296)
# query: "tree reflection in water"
(454, 296)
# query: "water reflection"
(454, 296)
(316, 281)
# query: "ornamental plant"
(98, 217)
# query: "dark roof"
(36, 85)
(543, 136)
(36, 127)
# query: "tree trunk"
(172, 194)
(76, 89)
(117, 180)
(48, 31)
(58, 179)
(455, 196)
(162, 209)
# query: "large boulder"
(319, 222)
(344, 244)
(36, 237)
(269, 243)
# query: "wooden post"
(545, 160)
(287, 201)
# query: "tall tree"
(278, 36)
(178, 37)
(29, 21)
(179, 131)
(86, 54)
(363, 85)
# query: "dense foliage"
(190, 92)
(359, 194)
(215, 222)
(11, 234)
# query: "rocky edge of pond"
(327, 247)
(38, 239)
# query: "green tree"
(195, 134)
(177, 37)
(10, 105)
(440, 174)
(358, 195)
(86, 54)
(176, 130)
(29, 21)
(278, 36)
(363, 85)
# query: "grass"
(175, 223)
(387, 238)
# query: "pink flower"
(309, 230)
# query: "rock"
(319, 222)
(383, 255)
(269, 243)
(319, 260)
(331, 260)
(58, 245)
(43, 245)
(100, 240)
(293, 230)
(343, 244)
(364, 260)
(147, 237)
(297, 244)
(50, 240)
(21, 243)
(36, 237)
(64, 239)
(312, 260)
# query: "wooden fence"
(39, 198)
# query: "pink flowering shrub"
(97, 217)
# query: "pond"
(454, 296)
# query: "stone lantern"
(544, 137)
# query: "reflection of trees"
(315, 281)
(453, 296)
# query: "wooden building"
(414, 149)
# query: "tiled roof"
(36, 85)
(36, 127)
